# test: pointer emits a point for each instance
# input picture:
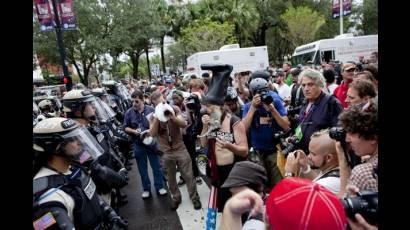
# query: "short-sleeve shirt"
(363, 175)
(136, 120)
(262, 135)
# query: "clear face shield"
(81, 146)
(107, 108)
(111, 102)
(36, 110)
(123, 92)
(94, 108)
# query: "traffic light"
(68, 82)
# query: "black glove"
(118, 223)
(124, 173)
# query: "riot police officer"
(64, 196)
(110, 173)
(47, 110)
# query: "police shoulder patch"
(44, 222)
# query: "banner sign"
(45, 15)
(347, 8)
(66, 12)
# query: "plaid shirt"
(363, 175)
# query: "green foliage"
(368, 16)
(302, 23)
(204, 35)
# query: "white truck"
(342, 48)
(242, 59)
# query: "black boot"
(219, 83)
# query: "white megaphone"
(163, 111)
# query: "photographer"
(319, 111)
(322, 156)
(360, 125)
(232, 102)
(296, 98)
(263, 117)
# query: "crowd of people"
(287, 147)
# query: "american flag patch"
(44, 222)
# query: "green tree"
(137, 25)
(302, 23)
(368, 17)
(84, 45)
(204, 35)
(176, 56)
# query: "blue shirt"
(262, 135)
(136, 120)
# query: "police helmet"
(99, 92)
(258, 84)
(73, 99)
(53, 134)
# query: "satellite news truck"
(342, 48)
(241, 59)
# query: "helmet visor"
(36, 110)
(100, 112)
(82, 145)
(107, 108)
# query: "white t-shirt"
(332, 88)
(284, 91)
(331, 183)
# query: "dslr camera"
(265, 97)
(293, 110)
(339, 134)
(287, 146)
(365, 203)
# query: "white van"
(242, 59)
(342, 48)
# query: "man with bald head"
(321, 165)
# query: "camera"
(365, 203)
(287, 146)
(338, 134)
(292, 111)
(291, 146)
(192, 102)
(265, 98)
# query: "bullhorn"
(163, 112)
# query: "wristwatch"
(289, 174)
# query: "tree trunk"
(238, 35)
(148, 66)
(86, 78)
(135, 62)
(162, 54)
(263, 35)
(98, 81)
(78, 71)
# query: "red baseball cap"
(296, 203)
